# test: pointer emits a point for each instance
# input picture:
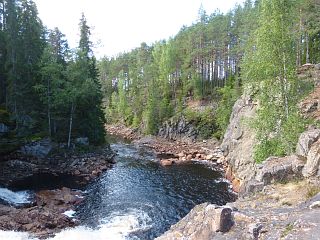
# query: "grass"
(287, 230)
(312, 191)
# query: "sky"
(121, 25)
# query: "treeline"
(257, 46)
(150, 83)
(47, 88)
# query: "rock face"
(178, 129)
(280, 212)
(37, 149)
(313, 161)
(239, 140)
(306, 139)
(280, 169)
(203, 222)
(310, 106)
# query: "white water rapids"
(14, 198)
(115, 228)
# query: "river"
(140, 199)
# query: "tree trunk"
(49, 108)
(70, 124)
(307, 50)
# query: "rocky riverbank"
(49, 212)
(50, 179)
(276, 213)
(78, 167)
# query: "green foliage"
(191, 65)
(228, 96)
(47, 88)
(204, 121)
(269, 68)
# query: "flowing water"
(140, 199)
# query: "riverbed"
(140, 199)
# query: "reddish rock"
(166, 162)
(236, 185)
(189, 157)
(229, 174)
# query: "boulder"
(254, 230)
(306, 139)
(203, 222)
(38, 149)
(283, 169)
(3, 128)
(166, 162)
(82, 141)
(222, 219)
(313, 161)
(317, 66)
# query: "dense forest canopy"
(48, 89)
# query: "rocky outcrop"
(46, 217)
(80, 167)
(313, 161)
(178, 129)
(277, 213)
(239, 140)
(305, 141)
(310, 106)
(38, 148)
(82, 141)
(203, 222)
(280, 169)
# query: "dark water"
(141, 199)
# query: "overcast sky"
(120, 25)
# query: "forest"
(50, 90)
(46, 89)
(254, 49)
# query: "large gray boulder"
(306, 139)
(203, 222)
(38, 149)
(82, 141)
(313, 161)
(283, 169)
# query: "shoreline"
(46, 214)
